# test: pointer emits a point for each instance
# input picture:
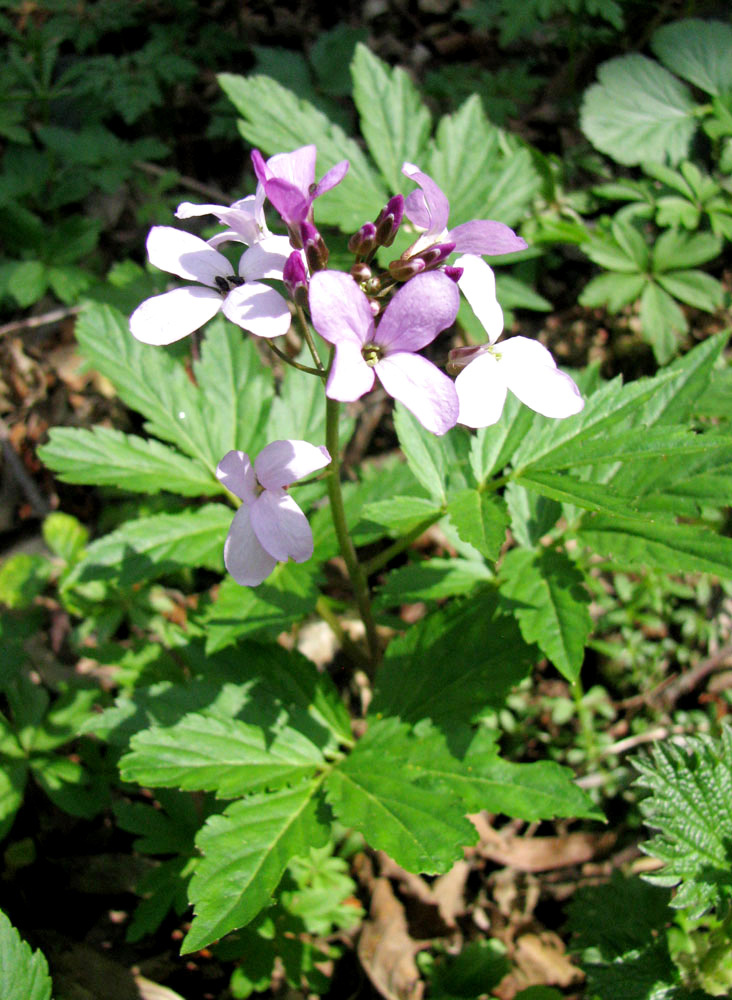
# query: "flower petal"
(481, 391)
(245, 218)
(340, 311)
(478, 285)
(181, 253)
(244, 556)
(236, 473)
(329, 180)
(483, 236)
(283, 462)
(165, 318)
(297, 168)
(423, 389)
(259, 309)
(281, 526)
(266, 259)
(289, 201)
(350, 377)
(531, 373)
(429, 208)
(424, 306)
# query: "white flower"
(524, 366)
(269, 527)
(244, 300)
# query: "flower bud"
(362, 242)
(361, 272)
(389, 220)
(460, 357)
(316, 252)
(455, 273)
(295, 278)
(403, 270)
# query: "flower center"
(225, 285)
(372, 354)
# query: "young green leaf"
(424, 452)
(431, 580)
(699, 51)
(480, 519)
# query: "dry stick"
(688, 681)
(189, 182)
(40, 506)
(44, 319)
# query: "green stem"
(382, 558)
(295, 364)
(307, 334)
(331, 619)
(338, 513)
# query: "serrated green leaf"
(492, 447)
(225, 756)
(383, 790)
(662, 322)
(276, 120)
(699, 51)
(638, 442)
(693, 287)
(603, 249)
(483, 172)
(532, 515)
(451, 665)
(424, 452)
(545, 591)
(690, 806)
(580, 492)
(431, 580)
(152, 546)
(675, 548)
(13, 778)
(245, 851)
(394, 121)
(23, 973)
(401, 514)
(149, 381)
(106, 457)
(65, 536)
(480, 519)
(638, 111)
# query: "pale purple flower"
(428, 209)
(269, 527)
(243, 298)
(342, 315)
(524, 366)
(289, 182)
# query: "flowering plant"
(444, 570)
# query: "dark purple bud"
(389, 221)
(455, 273)
(316, 252)
(294, 274)
(434, 256)
(362, 242)
(460, 357)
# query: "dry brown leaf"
(385, 948)
(541, 854)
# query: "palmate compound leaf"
(245, 851)
(638, 111)
(394, 121)
(103, 456)
(545, 591)
(276, 121)
(690, 804)
(23, 973)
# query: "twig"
(40, 506)
(688, 681)
(188, 182)
(44, 319)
